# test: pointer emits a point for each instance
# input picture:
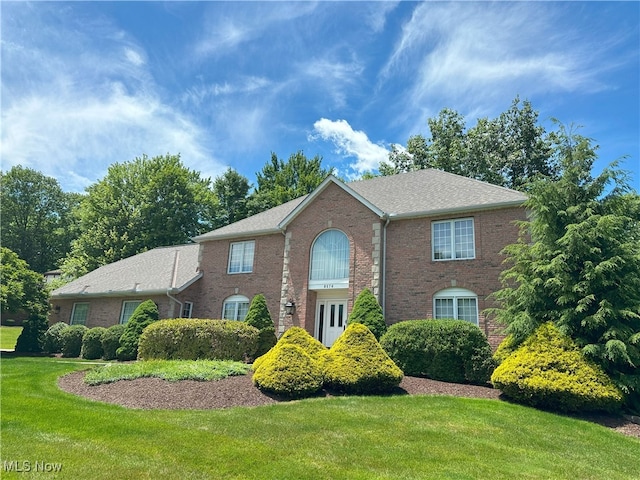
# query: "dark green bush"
(549, 371)
(111, 341)
(144, 315)
(72, 340)
(31, 339)
(446, 350)
(289, 371)
(358, 364)
(193, 339)
(367, 311)
(92, 343)
(259, 317)
(53, 337)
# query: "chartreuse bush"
(72, 340)
(194, 339)
(358, 364)
(111, 341)
(300, 337)
(447, 350)
(549, 371)
(367, 311)
(144, 315)
(506, 348)
(53, 337)
(92, 343)
(259, 317)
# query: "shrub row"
(299, 365)
(194, 339)
(447, 350)
(80, 341)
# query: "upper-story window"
(330, 257)
(456, 303)
(241, 257)
(453, 239)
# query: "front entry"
(331, 319)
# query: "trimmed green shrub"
(72, 340)
(289, 371)
(144, 315)
(111, 341)
(259, 317)
(367, 311)
(194, 339)
(53, 337)
(92, 343)
(31, 339)
(300, 337)
(506, 348)
(447, 350)
(549, 371)
(358, 364)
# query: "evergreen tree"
(259, 317)
(145, 314)
(367, 311)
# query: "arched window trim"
(332, 271)
(459, 303)
(235, 307)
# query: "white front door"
(331, 320)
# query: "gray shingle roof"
(153, 272)
(420, 193)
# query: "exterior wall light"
(290, 307)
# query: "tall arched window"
(458, 303)
(330, 257)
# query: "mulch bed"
(239, 391)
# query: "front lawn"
(9, 336)
(400, 437)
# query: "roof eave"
(463, 209)
(249, 233)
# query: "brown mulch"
(239, 391)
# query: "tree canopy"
(21, 289)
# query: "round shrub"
(194, 339)
(111, 341)
(259, 317)
(300, 337)
(367, 311)
(289, 371)
(72, 340)
(358, 364)
(92, 343)
(549, 371)
(144, 315)
(447, 350)
(53, 337)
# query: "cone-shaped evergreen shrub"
(111, 341)
(367, 311)
(289, 371)
(92, 343)
(259, 317)
(53, 337)
(145, 314)
(300, 337)
(549, 371)
(358, 364)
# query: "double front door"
(331, 319)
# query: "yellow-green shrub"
(300, 337)
(506, 348)
(358, 364)
(194, 339)
(549, 371)
(289, 371)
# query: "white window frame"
(453, 238)
(330, 261)
(74, 310)
(240, 306)
(457, 296)
(246, 252)
(125, 310)
(187, 310)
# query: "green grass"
(400, 437)
(172, 370)
(9, 336)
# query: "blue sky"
(88, 84)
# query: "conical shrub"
(367, 311)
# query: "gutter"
(465, 209)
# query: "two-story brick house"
(426, 243)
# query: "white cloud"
(351, 143)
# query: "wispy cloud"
(351, 143)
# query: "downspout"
(173, 282)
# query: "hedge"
(92, 343)
(53, 337)
(111, 341)
(72, 340)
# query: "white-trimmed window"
(241, 257)
(187, 308)
(330, 256)
(457, 303)
(235, 307)
(453, 239)
(79, 314)
(128, 307)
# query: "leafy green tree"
(21, 289)
(231, 190)
(367, 311)
(140, 205)
(280, 181)
(577, 263)
(36, 220)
